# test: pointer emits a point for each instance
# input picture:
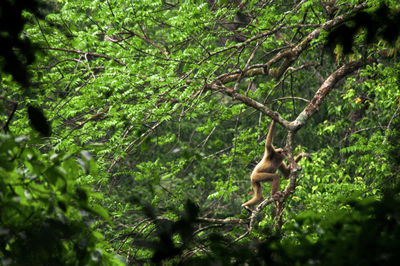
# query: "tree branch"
(223, 221)
(14, 108)
(288, 56)
(85, 53)
(290, 98)
(149, 42)
(249, 102)
(322, 92)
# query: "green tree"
(173, 99)
(45, 212)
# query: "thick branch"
(223, 221)
(308, 111)
(322, 92)
(288, 56)
(249, 102)
(276, 197)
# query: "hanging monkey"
(265, 170)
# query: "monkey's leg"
(268, 177)
(256, 178)
(257, 194)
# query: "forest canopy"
(129, 130)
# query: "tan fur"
(265, 170)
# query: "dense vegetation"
(129, 130)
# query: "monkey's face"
(280, 152)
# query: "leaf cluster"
(45, 214)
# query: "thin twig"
(390, 122)
(84, 53)
(290, 98)
(14, 108)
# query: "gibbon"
(265, 170)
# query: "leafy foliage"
(162, 107)
(379, 23)
(17, 52)
(365, 232)
(45, 215)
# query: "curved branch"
(223, 221)
(288, 56)
(308, 111)
(249, 102)
(290, 98)
(322, 92)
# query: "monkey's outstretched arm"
(268, 142)
(285, 170)
(302, 155)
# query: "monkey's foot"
(247, 209)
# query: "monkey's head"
(280, 153)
